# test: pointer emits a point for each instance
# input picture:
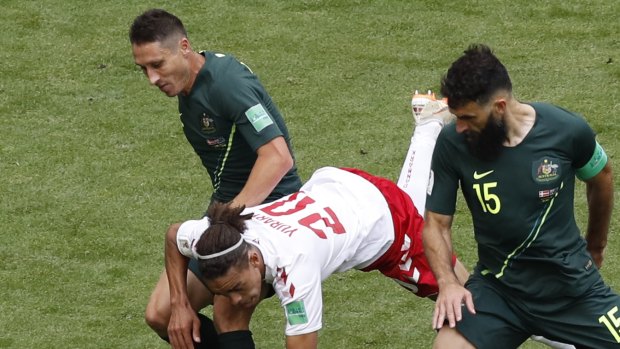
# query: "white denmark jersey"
(336, 222)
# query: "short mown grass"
(94, 165)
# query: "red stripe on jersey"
(404, 261)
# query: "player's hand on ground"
(450, 304)
(183, 328)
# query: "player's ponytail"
(222, 246)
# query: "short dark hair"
(155, 25)
(226, 224)
(474, 77)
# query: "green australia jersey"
(226, 117)
(522, 204)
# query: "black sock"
(236, 340)
(208, 334)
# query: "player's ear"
(253, 258)
(499, 106)
(185, 47)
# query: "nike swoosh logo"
(481, 175)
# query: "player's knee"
(224, 327)
(232, 319)
(157, 318)
(230, 324)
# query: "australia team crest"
(546, 170)
(208, 125)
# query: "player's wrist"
(447, 280)
(596, 243)
(179, 302)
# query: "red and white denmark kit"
(341, 219)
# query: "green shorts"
(591, 320)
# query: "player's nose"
(461, 126)
(236, 299)
(152, 76)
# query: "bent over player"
(340, 219)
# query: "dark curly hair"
(155, 25)
(474, 77)
(226, 224)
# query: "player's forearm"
(176, 268)
(600, 196)
(438, 251)
(264, 177)
(439, 259)
(271, 165)
(303, 341)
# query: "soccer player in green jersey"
(241, 138)
(516, 165)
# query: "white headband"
(221, 253)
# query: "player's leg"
(591, 321)
(451, 338)
(414, 175)
(236, 318)
(462, 274)
(495, 320)
(233, 323)
(157, 313)
(227, 317)
(551, 344)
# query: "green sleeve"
(243, 98)
(444, 180)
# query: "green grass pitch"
(94, 165)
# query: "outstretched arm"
(273, 162)
(302, 341)
(184, 325)
(600, 195)
(438, 248)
